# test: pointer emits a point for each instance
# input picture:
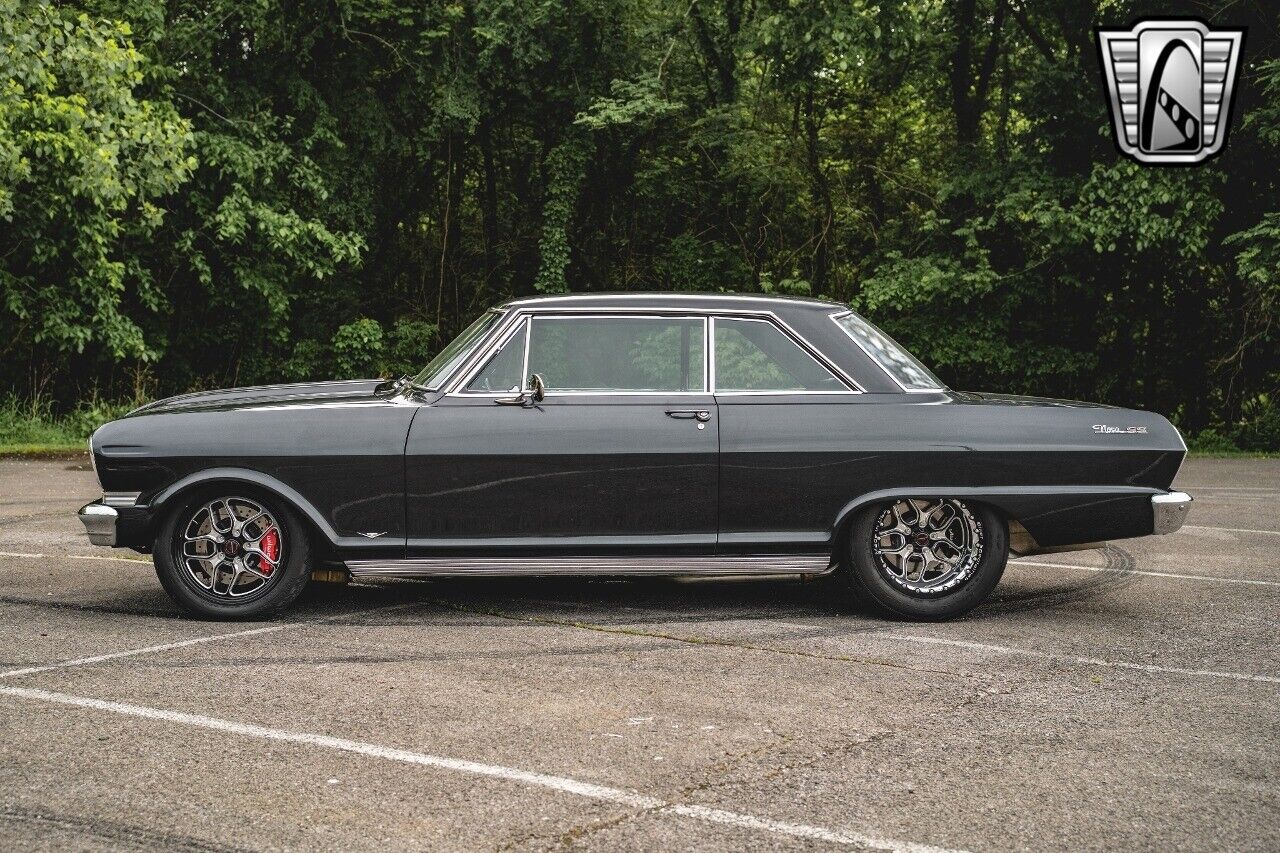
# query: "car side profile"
(630, 434)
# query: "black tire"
(287, 580)
(862, 573)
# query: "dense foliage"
(216, 191)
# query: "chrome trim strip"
(755, 298)
(593, 565)
(121, 498)
(1169, 511)
(99, 522)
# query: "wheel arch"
(163, 502)
(1053, 515)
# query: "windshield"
(440, 367)
(896, 361)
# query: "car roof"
(680, 301)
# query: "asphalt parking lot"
(1120, 699)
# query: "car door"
(620, 456)
(786, 423)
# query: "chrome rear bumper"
(99, 522)
(1169, 511)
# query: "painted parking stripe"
(1145, 572)
(164, 647)
(180, 644)
(24, 556)
(1086, 661)
(560, 784)
(1230, 529)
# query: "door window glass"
(618, 353)
(504, 371)
(755, 355)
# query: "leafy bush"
(307, 362)
(357, 349)
(1211, 441)
(410, 346)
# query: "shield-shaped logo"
(1170, 84)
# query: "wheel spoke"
(221, 547)
(927, 546)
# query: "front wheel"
(925, 558)
(228, 554)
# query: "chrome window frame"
(941, 388)
(795, 339)
(445, 381)
(515, 314)
(492, 351)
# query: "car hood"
(302, 393)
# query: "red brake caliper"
(270, 546)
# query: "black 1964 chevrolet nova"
(630, 434)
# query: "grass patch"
(31, 429)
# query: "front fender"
(167, 497)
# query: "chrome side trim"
(121, 498)
(593, 565)
(1169, 511)
(99, 522)
(756, 298)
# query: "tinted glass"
(618, 353)
(895, 360)
(456, 352)
(503, 372)
(755, 355)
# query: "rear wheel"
(925, 558)
(232, 555)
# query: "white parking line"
(1230, 529)
(164, 647)
(1111, 664)
(560, 784)
(30, 670)
(1145, 572)
(76, 557)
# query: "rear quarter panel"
(792, 467)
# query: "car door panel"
(572, 474)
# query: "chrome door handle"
(701, 415)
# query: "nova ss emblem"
(1103, 429)
(1169, 83)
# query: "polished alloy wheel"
(927, 547)
(232, 547)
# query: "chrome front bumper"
(1170, 511)
(99, 522)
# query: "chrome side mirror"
(536, 393)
